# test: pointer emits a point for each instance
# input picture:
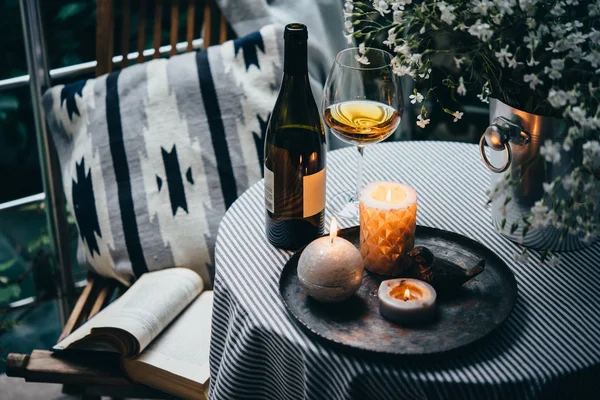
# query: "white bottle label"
(314, 193)
(269, 190)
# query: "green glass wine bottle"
(295, 152)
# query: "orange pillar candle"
(388, 218)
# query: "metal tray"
(478, 308)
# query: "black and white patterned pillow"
(153, 155)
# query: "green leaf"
(9, 293)
(8, 102)
(8, 264)
(69, 10)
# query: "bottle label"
(313, 194)
(313, 187)
(269, 191)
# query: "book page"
(183, 348)
(146, 308)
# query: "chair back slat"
(125, 32)
(102, 299)
(214, 28)
(157, 28)
(141, 31)
(207, 31)
(104, 36)
(174, 26)
(223, 29)
(83, 305)
(191, 13)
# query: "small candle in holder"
(330, 268)
(388, 218)
(405, 301)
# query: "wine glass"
(362, 104)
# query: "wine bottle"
(295, 153)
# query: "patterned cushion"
(153, 155)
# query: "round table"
(548, 347)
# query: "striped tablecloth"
(549, 346)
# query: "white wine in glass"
(362, 122)
(362, 104)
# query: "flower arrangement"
(539, 56)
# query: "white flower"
(484, 96)
(550, 151)
(391, 39)
(594, 58)
(533, 80)
(399, 69)
(539, 215)
(554, 72)
(398, 17)
(578, 115)
(461, 90)
(421, 122)
(381, 6)
(554, 261)
(415, 59)
(447, 14)
(481, 6)
(349, 27)
(425, 75)
(591, 154)
(403, 49)
(458, 62)
(567, 182)
(557, 98)
(589, 238)
(503, 55)
(349, 7)
(548, 187)
(481, 31)
(558, 10)
(361, 57)
(418, 98)
(457, 115)
(532, 40)
(521, 257)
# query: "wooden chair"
(102, 376)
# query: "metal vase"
(515, 138)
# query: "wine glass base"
(348, 208)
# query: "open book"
(160, 327)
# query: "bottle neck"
(295, 58)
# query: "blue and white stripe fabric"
(153, 155)
(549, 347)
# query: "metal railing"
(89, 67)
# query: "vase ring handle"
(499, 136)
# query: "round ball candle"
(388, 218)
(405, 301)
(330, 268)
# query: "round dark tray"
(479, 307)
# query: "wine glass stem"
(359, 168)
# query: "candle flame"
(333, 228)
(406, 294)
(388, 196)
